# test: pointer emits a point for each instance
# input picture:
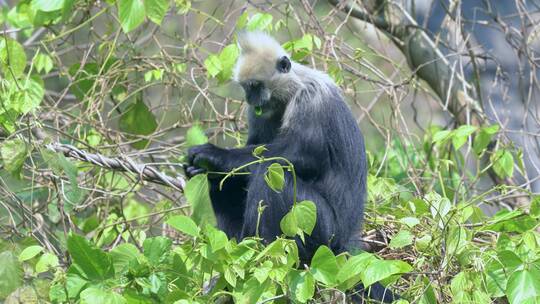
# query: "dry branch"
(423, 57)
(122, 163)
(426, 60)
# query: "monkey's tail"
(375, 292)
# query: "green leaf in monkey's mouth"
(258, 110)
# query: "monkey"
(297, 113)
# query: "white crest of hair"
(312, 90)
(258, 42)
(303, 88)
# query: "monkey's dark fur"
(305, 120)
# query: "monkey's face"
(257, 93)
(262, 68)
(262, 84)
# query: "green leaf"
(261, 273)
(257, 152)
(11, 274)
(306, 213)
(496, 279)
(62, 166)
(84, 79)
(301, 218)
(511, 221)
(441, 136)
(228, 57)
(92, 263)
(30, 252)
(134, 210)
(484, 137)
(95, 295)
(197, 195)
(12, 57)
(213, 65)
(301, 285)
(524, 286)
(156, 74)
(324, 266)
(180, 68)
(138, 120)
(302, 47)
(47, 5)
(93, 138)
(439, 206)
(410, 221)
(456, 240)
(382, 269)
(156, 10)
(156, 249)
(195, 136)
(275, 177)
(183, 6)
(46, 262)
(122, 255)
(466, 288)
(73, 286)
(460, 135)
(184, 224)
(401, 239)
(242, 20)
(251, 291)
(43, 63)
(304, 43)
(352, 269)
(503, 163)
(259, 22)
(14, 153)
(509, 259)
(230, 276)
(131, 14)
(423, 243)
(31, 94)
(216, 238)
(288, 224)
(535, 206)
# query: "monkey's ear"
(283, 65)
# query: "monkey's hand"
(191, 171)
(204, 158)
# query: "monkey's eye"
(283, 65)
(251, 85)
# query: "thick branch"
(425, 59)
(125, 164)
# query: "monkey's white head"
(267, 74)
(263, 68)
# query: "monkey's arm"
(210, 157)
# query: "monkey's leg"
(229, 203)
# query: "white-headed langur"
(297, 113)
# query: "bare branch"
(426, 60)
(125, 164)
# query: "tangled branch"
(124, 164)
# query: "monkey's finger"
(202, 160)
(187, 169)
(192, 171)
(197, 172)
(190, 156)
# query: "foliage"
(123, 77)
